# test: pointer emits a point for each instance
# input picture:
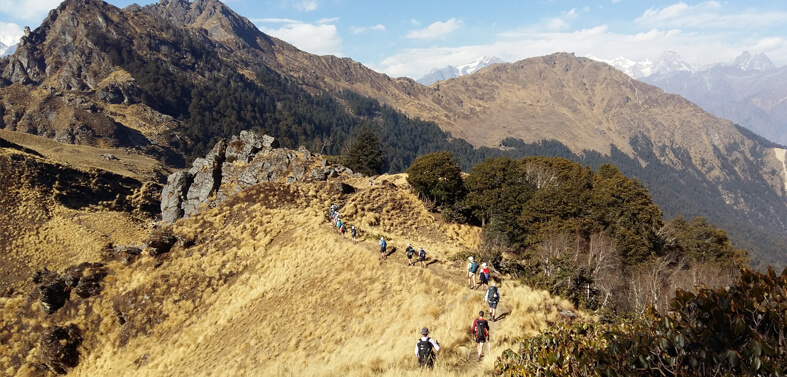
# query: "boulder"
(89, 284)
(173, 195)
(60, 348)
(207, 178)
(318, 174)
(53, 295)
(244, 147)
(159, 243)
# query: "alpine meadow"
(185, 195)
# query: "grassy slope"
(37, 231)
(270, 288)
(86, 157)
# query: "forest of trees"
(595, 238)
(187, 79)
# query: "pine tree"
(365, 155)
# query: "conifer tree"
(365, 155)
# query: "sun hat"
(470, 258)
(483, 264)
(424, 331)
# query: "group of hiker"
(409, 252)
(341, 227)
(427, 348)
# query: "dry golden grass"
(271, 289)
(86, 157)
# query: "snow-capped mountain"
(10, 50)
(667, 63)
(6, 50)
(758, 62)
(449, 72)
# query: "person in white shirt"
(426, 349)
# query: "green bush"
(737, 330)
(437, 177)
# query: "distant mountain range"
(749, 92)
(450, 72)
(6, 49)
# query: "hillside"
(141, 79)
(56, 215)
(263, 285)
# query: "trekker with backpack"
(483, 277)
(409, 251)
(353, 233)
(422, 256)
(383, 245)
(492, 297)
(472, 267)
(481, 333)
(426, 349)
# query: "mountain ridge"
(153, 97)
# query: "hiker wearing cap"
(409, 252)
(492, 297)
(483, 276)
(353, 233)
(382, 247)
(422, 256)
(472, 267)
(425, 349)
(481, 333)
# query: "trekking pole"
(469, 348)
(489, 345)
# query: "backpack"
(424, 349)
(481, 327)
(494, 296)
(473, 267)
(410, 252)
(383, 244)
(422, 253)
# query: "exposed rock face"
(244, 161)
(60, 348)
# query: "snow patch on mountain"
(6, 50)
(450, 72)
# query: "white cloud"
(306, 5)
(436, 30)
(29, 10)
(711, 15)
(318, 38)
(363, 29)
(10, 33)
(324, 21)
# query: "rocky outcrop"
(247, 159)
(60, 348)
(54, 289)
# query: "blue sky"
(408, 38)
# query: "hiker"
(472, 267)
(339, 225)
(492, 297)
(371, 182)
(422, 256)
(353, 233)
(382, 248)
(481, 333)
(410, 251)
(425, 349)
(483, 277)
(342, 229)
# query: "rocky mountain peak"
(749, 62)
